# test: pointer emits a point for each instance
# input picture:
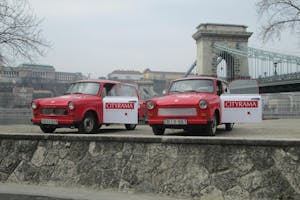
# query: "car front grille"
(54, 111)
(177, 112)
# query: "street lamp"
(275, 66)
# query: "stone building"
(162, 75)
(8, 74)
(18, 85)
(44, 73)
(127, 75)
(161, 79)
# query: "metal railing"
(281, 105)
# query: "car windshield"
(192, 85)
(84, 88)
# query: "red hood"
(181, 99)
(63, 100)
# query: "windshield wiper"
(191, 91)
(77, 93)
(174, 91)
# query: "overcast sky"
(99, 36)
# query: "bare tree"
(20, 35)
(280, 15)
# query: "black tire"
(130, 126)
(229, 126)
(89, 124)
(158, 130)
(47, 128)
(211, 127)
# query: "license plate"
(49, 121)
(175, 121)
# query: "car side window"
(106, 91)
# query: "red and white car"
(197, 102)
(87, 105)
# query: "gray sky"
(99, 36)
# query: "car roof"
(98, 81)
(105, 81)
(200, 77)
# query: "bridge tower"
(208, 57)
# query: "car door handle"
(133, 101)
(255, 99)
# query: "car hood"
(65, 99)
(192, 98)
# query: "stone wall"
(194, 167)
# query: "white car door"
(243, 104)
(120, 110)
(121, 105)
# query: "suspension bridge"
(223, 51)
(275, 72)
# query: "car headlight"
(203, 104)
(150, 105)
(33, 105)
(71, 105)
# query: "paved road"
(268, 129)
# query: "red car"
(197, 102)
(87, 105)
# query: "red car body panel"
(83, 103)
(187, 100)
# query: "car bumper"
(58, 122)
(189, 121)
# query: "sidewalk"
(12, 191)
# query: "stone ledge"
(155, 139)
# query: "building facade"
(19, 85)
(46, 73)
(127, 75)
(162, 75)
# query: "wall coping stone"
(201, 140)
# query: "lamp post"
(275, 66)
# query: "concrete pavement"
(13, 191)
(268, 129)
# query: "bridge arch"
(234, 36)
(225, 65)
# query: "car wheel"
(88, 124)
(211, 127)
(158, 130)
(130, 126)
(229, 126)
(47, 128)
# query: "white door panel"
(120, 110)
(241, 108)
